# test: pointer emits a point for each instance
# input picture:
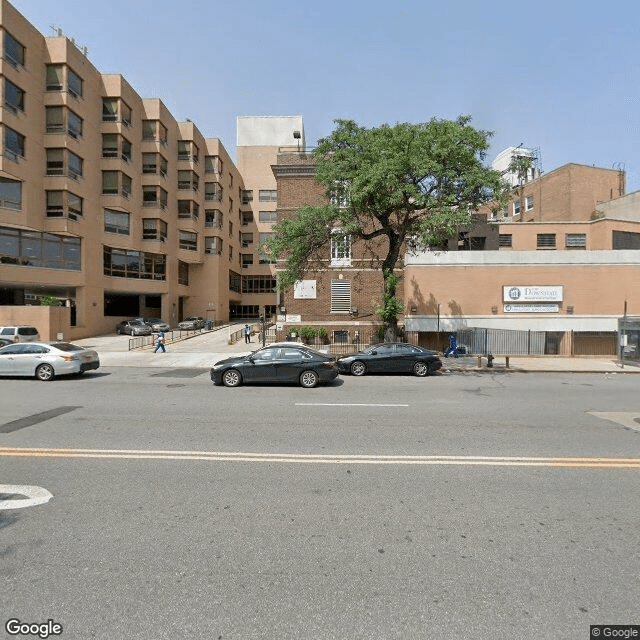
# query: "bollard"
(490, 360)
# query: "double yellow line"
(301, 458)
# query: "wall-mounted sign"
(518, 293)
(531, 308)
(305, 290)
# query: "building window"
(154, 196)
(188, 209)
(74, 124)
(213, 219)
(246, 196)
(188, 150)
(268, 216)
(516, 208)
(36, 249)
(13, 144)
(235, 281)
(268, 195)
(504, 240)
(546, 241)
(116, 110)
(575, 241)
(10, 194)
(246, 218)
(154, 163)
(61, 162)
(116, 222)
(340, 249)
(116, 183)
(188, 180)
(212, 245)
(212, 164)
(258, 284)
(213, 191)
(625, 240)
(183, 273)
(124, 263)
(13, 97)
(63, 204)
(264, 257)
(340, 296)
(14, 52)
(154, 130)
(246, 260)
(74, 82)
(528, 203)
(188, 240)
(246, 239)
(55, 77)
(154, 229)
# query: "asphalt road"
(456, 506)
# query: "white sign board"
(293, 318)
(521, 293)
(305, 290)
(531, 308)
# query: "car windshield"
(66, 346)
(137, 323)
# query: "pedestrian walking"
(247, 333)
(160, 343)
(452, 348)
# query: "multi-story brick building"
(112, 206)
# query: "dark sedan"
(281, 364)
(391, 357)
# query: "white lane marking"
(297, 458)
(35, 495)
(621, 417)
(346, 404)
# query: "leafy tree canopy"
(408, 184)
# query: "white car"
(45, 360)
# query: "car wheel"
(421, 369)
(309, 379)
(358, 368)
(45, 372)
(232, 378)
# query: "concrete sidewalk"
(204, 349)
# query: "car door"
(7, 359)
(262, 367)
(381, 359)
(28, 358)
(289, 364)
(405, 358)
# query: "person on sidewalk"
(247, 333)
(452, 348)
(160, 343)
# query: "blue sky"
(562, 76)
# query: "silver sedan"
(45, 360)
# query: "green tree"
(405, 186)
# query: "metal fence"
(173, 335)
(507, 342)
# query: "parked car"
(191, 323)
(5, 341)
(20, 333)
(133, 328)
(45, 360)
(157, 324)
(391, 357)
(277, 363)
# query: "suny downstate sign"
(521, 293)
